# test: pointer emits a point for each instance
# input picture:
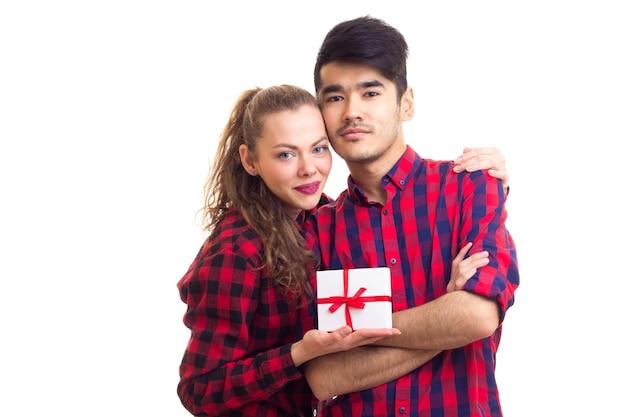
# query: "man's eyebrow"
(335, 88)
(369, 84)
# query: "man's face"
(361, 112)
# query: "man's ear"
(247, 160)
(407, 103)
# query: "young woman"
(248, 287)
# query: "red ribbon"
(356, 301)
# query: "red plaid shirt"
(238, 359)
(430, 213)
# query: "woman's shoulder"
(233, 234)
(325, 199)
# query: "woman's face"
(293, 157)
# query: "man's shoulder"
(419, 165)
(437, 165)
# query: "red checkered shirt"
(238, 359)
(430, 213)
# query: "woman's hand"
(464, 269)
(489, 158)
(319, 342)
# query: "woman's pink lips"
(310, 188)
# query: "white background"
(109, 112)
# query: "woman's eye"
(320, 149)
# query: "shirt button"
(393, 261)
(385, 211)
(402, 410)
(401, 183)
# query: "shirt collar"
(399, 175)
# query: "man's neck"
(368, 176)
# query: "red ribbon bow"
(356, 301)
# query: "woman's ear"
(408, 105)
(247, 160)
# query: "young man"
(412, 215)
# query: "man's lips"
(352, 133)
(308, 189)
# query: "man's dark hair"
(366, 41)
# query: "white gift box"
(359, 297)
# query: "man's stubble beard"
(368, 153)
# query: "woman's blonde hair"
(229, 185)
